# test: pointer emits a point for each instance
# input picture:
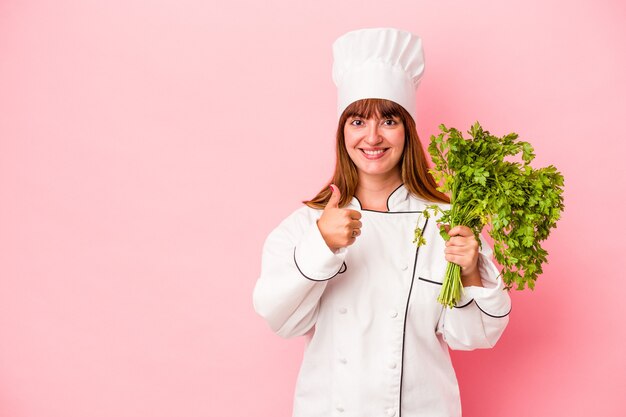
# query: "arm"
(482, 314)
(295, 268)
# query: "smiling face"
(375, 144)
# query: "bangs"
(379, 107)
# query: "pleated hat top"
(382, 63)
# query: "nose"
(373, 136)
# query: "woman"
(343, 269)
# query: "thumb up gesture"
(339, 227)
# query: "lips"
(373, 154)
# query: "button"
(339, 408)
(391, 412)
(343, 360)
(404, 267)
(343, 310)
(392, 365)
(393, 314)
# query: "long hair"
(414, 166)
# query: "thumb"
(333, 202)
(443, 231)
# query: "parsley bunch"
(521, 204)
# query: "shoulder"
(304, 214)
(297, 221)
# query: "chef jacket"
(377, 337)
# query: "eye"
(357, 122)
(389, 122)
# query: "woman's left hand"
(462, 249)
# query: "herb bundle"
(521, 204)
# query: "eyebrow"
(382, 117)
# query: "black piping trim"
(392, 212)
(343, 265)
(491, 315)
(406, 312)
(465, 305)
(432, 282)
(387, 204)
(392, 194)
(468, 303)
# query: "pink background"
(148, 147)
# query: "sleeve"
(296, 265)
(482, 314)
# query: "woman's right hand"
(339, 226)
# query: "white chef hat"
(377, 63)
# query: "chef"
(344, 270)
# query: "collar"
(398, 201)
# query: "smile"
(374, 154)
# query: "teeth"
(374, 152)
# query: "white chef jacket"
(378, 338)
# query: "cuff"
(491, 299)
(314, 259)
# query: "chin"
(375, 171)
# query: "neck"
(373, 191)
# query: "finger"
(333, 202)
(454, 250)
(355, 224)
(460, 258)
(462, 241)
(456, 259)
(460, 231)
(354, 214)
(459, 251)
